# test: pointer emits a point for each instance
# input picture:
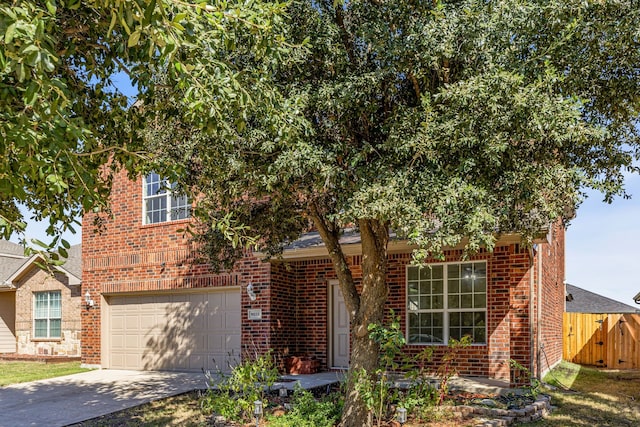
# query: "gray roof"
(312, 239)
(74, 262)
(12, 259)
(589, 302)
(10, 248)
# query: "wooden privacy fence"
(605, 340)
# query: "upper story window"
(161, 203)
(47, 314)
(447, 301)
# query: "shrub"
(238, 390)
(307, 411)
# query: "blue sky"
(603, 249)
(602, 246)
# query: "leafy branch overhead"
(64, 120)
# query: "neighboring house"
(582, 301)
(39, 311)
(155, 309)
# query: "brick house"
(39, 311)
(156, 309)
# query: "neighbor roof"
(10, 248)
(589, 302)
(13, 263)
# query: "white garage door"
(181, 332)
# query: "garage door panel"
(174, 331)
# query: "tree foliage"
(64, 124)
(445, 121)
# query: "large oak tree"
(444, 121)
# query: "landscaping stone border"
(495, 417)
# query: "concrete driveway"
(73, 398)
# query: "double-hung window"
(161, 202)
(47, 318)
(447, 301)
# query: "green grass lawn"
(599, 397)
(19, 372)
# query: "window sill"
(166, 223)
(53, 339)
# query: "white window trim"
(168, 195)
(446, 311)
(48, 318)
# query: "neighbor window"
(447, 301)
(161, 203)
(47, 318)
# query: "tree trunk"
(364, 351)
(364, 308)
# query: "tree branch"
(330, 236)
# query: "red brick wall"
(552, 300)
(131, 257)
(508, 287)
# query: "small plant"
(448, 368)
(522, 375)
(238, 390)
(376, 389)
(307, 411)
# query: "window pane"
(436, 287)
(413, 320)
(480, 300)
(413, 303)
(55, 325)
(454, 319)
(437, 271)
(466, 301)
(453, 286)
(452, 301)
(453, 271)
(425, 288)
(466, 319)
(480, 269)
(425, 304)
(480, 285)
(437, 302)
(438, 335)
(40, 329)
(478, 319)
(466, 271)
(454, 333)
(412, 273)
(55, 305)
(425, 320)
(464, 332)
(437, 319)
(413, 288)
(479, 335)
(466, 286)
(179, 207)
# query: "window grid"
(160, 204)
(437, 312)
(47, 314)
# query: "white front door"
(339, 328)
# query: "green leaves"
(66, 130)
